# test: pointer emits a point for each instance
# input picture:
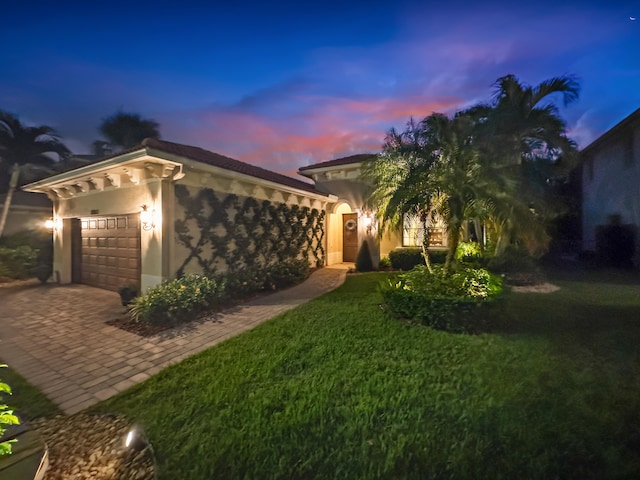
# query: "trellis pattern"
(235, 233)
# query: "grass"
(27, 400)
(335, 389)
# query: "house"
(611, 193)
(28, 211)
(164, 209)
(354, 221)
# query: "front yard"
(335, 389)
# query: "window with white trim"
(413, 232)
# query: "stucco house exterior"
(165, 209)
(611, 190)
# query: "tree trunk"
(453, 239)
(426, 238)
(13, 183)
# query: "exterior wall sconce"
(53, 224)
(368, 223)
(147, 218)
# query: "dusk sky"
(287, 84)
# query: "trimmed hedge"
(459, 303)
(182, 299)
(408, 258)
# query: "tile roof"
(227, 163)
(360, 157)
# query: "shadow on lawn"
(582, 320)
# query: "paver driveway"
(56, 337)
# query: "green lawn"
(334, 389)
(28, 401)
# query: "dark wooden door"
(349, 237)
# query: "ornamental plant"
(182, 299)
(177, 300)
(7, 417)
(455, 303)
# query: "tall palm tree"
(25, 148)
(525, 134)
(125, 130)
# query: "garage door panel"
(110, 251)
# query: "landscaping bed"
(92, 447)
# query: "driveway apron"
(56, 337)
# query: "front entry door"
(349, 237)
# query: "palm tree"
(400, 176)
(125, 130)
(25, 148)
(523, 132)
(434, 168)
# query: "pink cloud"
(328, 127)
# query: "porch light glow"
(147, 218)
(53, 224)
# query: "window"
(413, 232)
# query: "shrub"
(177, 300)
(23, 266)
(7, 417)
(468, 251)
(182, 299)
(385, 263)
(363, 260)
(513, 259)
(406, 258)
(17, 262)
(127, 293)
(287, 273)
(455, 303)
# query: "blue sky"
(286, 84)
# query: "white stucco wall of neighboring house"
(611, 181)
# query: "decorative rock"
(91, 446)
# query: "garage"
(109, 253)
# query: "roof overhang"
(330, 172)
(131, 168)
(138, 166)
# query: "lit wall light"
(147, 218)
(368, 223)
(53, 224)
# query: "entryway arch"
(342, 212)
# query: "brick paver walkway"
(56, 337)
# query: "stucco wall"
(611, 186)
(180, 261)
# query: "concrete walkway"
(56, 337)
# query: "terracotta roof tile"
(217, 160)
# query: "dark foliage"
(363, 260)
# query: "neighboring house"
(611, 191)
(164, 209)
(28, 211)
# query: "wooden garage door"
(110, 251)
